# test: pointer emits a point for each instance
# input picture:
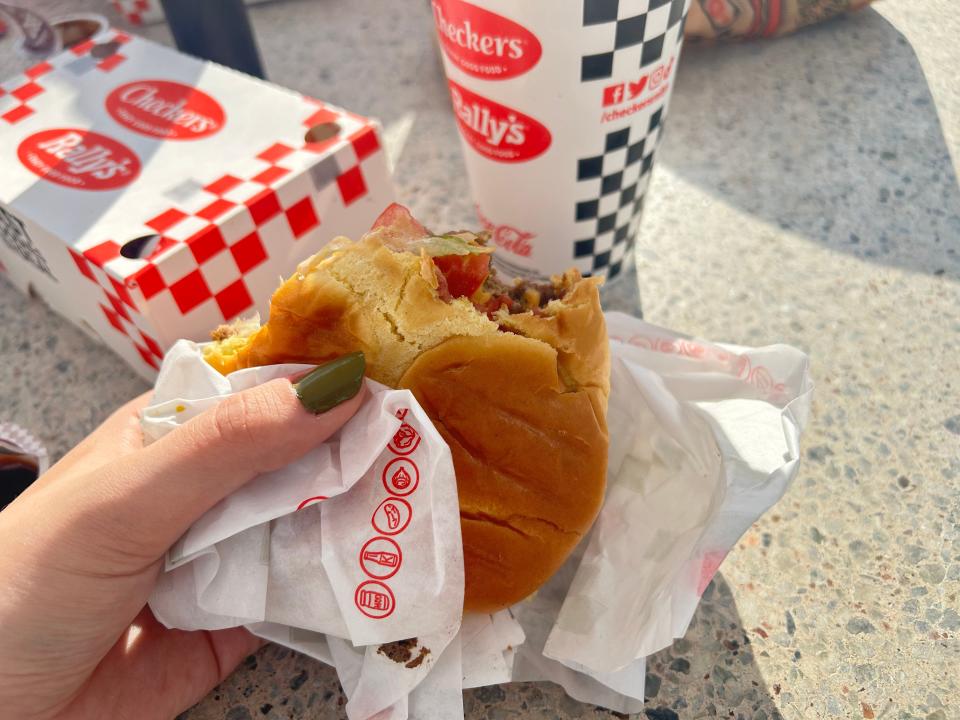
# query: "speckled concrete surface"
(805, 193)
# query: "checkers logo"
(482, 43)
(497, 131)
(79, 159)
(164, 109)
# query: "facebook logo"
(613, 94)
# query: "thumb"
(155, 494)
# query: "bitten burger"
(515, 377)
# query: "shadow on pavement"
(711, 672)
(862, 167)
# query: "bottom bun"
(530, 457)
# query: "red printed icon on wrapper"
(380, 558)
(708, 568)
(165, 109)
(406, 439)
(401, 476)
(496, 131)
(79, 159)
(374, 599)
(392, 516)
(482, 43)
(311, 501)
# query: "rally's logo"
(497, 131)
(482, 43)
(79, 159)
(164, 109)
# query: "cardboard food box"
(148, 196)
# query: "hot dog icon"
(391, 516)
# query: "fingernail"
(328, 385)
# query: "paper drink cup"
(560, 107)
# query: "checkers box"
(148, 196)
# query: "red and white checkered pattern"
(209, 264)
(230, 218)
(16, 93)
(118, 308)
(85, 48)
(19, 95)
(107, 63)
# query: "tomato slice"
(491, 306)
(398, 217)
(464, 273)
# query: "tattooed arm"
(736, 19)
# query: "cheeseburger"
(515, 378)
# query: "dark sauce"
(17, 473)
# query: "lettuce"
(440, 245)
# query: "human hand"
(81, 550)
(742, 19)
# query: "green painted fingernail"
(328, 385)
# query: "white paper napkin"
(704, 438)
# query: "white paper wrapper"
(294, 547)
(704, 439)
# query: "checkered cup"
(560, 107)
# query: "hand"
(81, 550)
(741, 19)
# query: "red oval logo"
(164, 109)
(497, 131)
(482, 43)
(79, 159)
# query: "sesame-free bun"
(520, 398)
